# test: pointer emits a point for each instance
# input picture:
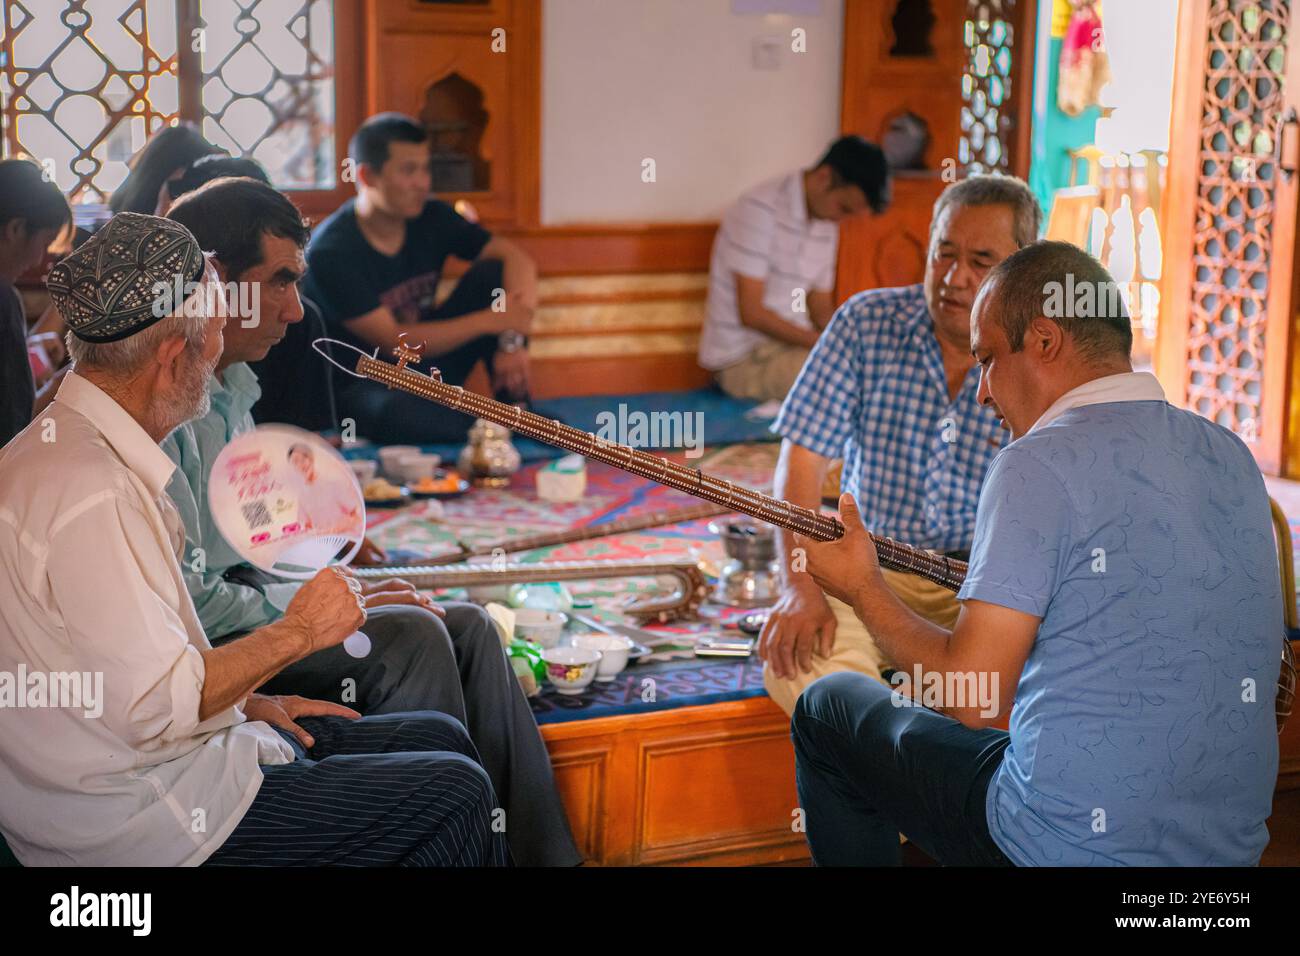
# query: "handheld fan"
(287, 503)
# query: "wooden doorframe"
(1275, 442)
(1022, 88)
(1178, 207)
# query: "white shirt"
(1124, 387)
(90, 583)
(766, 235)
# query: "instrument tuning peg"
(408, 351)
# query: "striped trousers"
(391, 790)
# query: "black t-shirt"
(17, 388)
(347, 277)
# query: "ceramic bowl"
(540, 627)
(364, 468)
(417, 466)
(571, 669)
(614, 649)
(390, 459)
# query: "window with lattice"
(84, 83)
(986, 120)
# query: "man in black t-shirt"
(373, 268)
(32, 214)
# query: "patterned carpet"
(487, 515)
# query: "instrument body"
(684, 602)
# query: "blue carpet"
(669, 685)
(724, 419)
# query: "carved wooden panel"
(988, 122)
(268, 86)
(83, 89)
(471, 73)
(1242, 107)
(964, 69)
(709, 785)
(1226, 338)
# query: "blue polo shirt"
(1143, 729)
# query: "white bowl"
(364, 468)
(570, 669)
(540, 627)
(414, 467)
(614, 650)
(390, 458)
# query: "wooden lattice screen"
(82, 91)
(1243, 92)
(988, 122)
(1226, 337)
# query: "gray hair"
(127, 355)
(995, 189)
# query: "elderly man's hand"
(847, 567)
(396, 591)
(329, 608)
(281, 711)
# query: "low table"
(704, 773)
(707, 785)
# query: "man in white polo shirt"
(772, 274)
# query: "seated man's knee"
(471, 626)
(403, 633)
(452, 781)
(429, 730)
(828, 698)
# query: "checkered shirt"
(874, 392)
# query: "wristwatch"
(511, 341)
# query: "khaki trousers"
(854, 649)
(766, 373)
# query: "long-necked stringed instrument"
(944, 571)
(690, 592)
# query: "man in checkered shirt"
(891, 388)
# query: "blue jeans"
(868, 770)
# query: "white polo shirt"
(90, 585)
(766, 235)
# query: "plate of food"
(443, 484)
(381, 493)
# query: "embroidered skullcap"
(123, 278)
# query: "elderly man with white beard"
(186, 765)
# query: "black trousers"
(393, 790)
(391, 417)
(868, 769)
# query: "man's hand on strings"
(847, 567)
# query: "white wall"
(673, 80)
(1140, 38)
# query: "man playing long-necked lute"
(1123, 591)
